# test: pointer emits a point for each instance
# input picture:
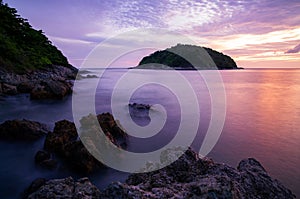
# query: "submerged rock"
(22, 130)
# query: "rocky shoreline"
(51, 82)
(188, 177)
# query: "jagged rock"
(193, 177)
(188, 177)
(34, 186)
(140, 106)
(22, 130)
(64, 142)
(139, 110)
(25, 87)
(52, 82)
(51, 89)
(62, 188)
(64, 132)
(9, 89)
(78, 157)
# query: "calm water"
(262, 121)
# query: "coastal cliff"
(179, 57)
(29, 62)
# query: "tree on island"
(170, 57)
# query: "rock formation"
(22, 130)
(188, 177)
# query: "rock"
(193, 177)
(109, 126)
(51, 89)
(52, 82)
(34, 186)
(188, 177)
(9, 89)
(78, 158)
(64, 132)
(43, 158)
(63, 141)
(63, 188)
(90, 128)
(25, 87)
(22, 130)
(91, 76)
(140, 106)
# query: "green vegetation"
(168, 58)
(23, 48)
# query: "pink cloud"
(294, 50)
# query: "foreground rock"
(188, 177)
(52, 82)
(192, 177)
(22, 130)
(62, 188)
(64, 142)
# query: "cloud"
(70, 41)
(294, 50)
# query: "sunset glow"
(254, 33)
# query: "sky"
(255, 33)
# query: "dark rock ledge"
(188, 177)
(53, 82)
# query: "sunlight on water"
(262, 120)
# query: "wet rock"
(78, 158)
(137, 110)
(64, 132)
(91, 125)
(140, 106)
(193, 177)
(63, 141)
(64, 188)
(34, 186)
(51, 90)
(53, 82)
(25, 87)
(9, 89)
(41, 156)
(22, 130)
(188, 177)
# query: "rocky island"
(29, 62)
(179, 57)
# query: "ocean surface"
(261, 112)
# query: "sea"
(226, 115)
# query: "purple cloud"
(294, 50)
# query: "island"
(178, 57)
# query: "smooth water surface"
(262, 121)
